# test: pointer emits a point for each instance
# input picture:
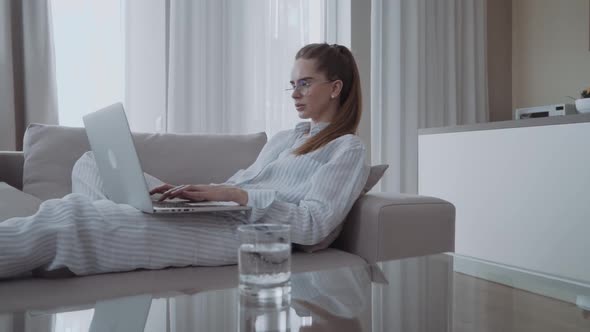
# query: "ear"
(336, 89)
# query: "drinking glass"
(264, 260)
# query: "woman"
(308, 177)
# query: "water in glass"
(265, 259)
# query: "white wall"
(550, 51)
(522, 195)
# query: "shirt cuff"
(259, 200)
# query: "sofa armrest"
(388, 226)
(11, 168)
(15, 203)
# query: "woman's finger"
(208, 187)
(161, 189)
(167, 189)
(195, 193)
(170, 192)
(195, 196)
(214, 195)
(175, 190)
(200, 187)
(163, 197)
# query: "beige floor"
(480, 305)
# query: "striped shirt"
(313, 192)
(88, 234)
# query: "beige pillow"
(375, 174)
(51, 151)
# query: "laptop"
(119, 166)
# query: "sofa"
(380, 226)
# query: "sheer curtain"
(428, 70)
(89, 56)
(218, 66)
(27, 69)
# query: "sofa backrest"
(51, 151)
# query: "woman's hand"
(200, 192)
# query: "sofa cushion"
(15, 203)
(51, 151)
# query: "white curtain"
(217, 66)
(428, 70)
(27, 69)
(89, 56)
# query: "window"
(155, 57)
(89, 55)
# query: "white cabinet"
(522, 195)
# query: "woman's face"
(315, 97)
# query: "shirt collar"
(303, 128)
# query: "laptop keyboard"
(176, 204)
(169, 204)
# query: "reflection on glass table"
(431, 293)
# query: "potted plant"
(583, 104)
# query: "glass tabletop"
(432, 293)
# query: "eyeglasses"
(303, 86)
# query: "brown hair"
(337, 63)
